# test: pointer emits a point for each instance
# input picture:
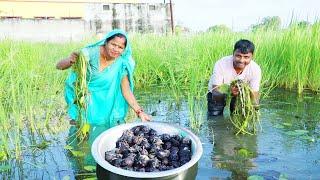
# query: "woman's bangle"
(139, 111)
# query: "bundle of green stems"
(245, 116)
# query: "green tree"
(219, 28)
(300, 24)
(179, 29)
(303, 24)
(268, 23)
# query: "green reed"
(195, 111)
(31, 103)
(289, 58)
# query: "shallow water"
(288, 146)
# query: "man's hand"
(256, 107)
(234, 90)
(255, 97)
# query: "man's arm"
(216, 89)
(255, 86)
(217, 95)
(255, 96)
(216, 78)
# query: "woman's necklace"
(106, 62)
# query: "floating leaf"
(90, 178)
(309, 138)
(5, 168)
(301, 131)
(279, 126)
(43, 144)
(283, 177)
(287, 124)
(255, 177)
(77, 153)
(89, 168)
(68, 147)
(244, 153)
(296, 132)
(291, 133)
(66, 178)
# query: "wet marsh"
(171, 83)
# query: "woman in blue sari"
(109, 81)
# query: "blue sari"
(105, 103)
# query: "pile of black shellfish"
(142, 149)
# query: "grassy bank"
(32, 106)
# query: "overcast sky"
(240, 14)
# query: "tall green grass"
(289, 58)
(31, 104)
(31, 100)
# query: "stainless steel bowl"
(107, 141)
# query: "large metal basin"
(107, 141)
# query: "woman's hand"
(67, 62)
(129, 97)
(73, 57)
(144, 117)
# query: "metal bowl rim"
(106, 165)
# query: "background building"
(71, 19)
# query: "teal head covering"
(105, 102)
(127, 53)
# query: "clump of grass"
(195, 113)
(81, 93)
(29, 100)
(245, 117)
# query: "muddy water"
(288, 146)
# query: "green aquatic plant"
(245, 117)
(30, 101)
(81, 94)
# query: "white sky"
(240, 14)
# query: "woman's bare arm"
(128, 95)
(67, 62)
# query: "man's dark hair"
(116, 35)
(244, 46)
